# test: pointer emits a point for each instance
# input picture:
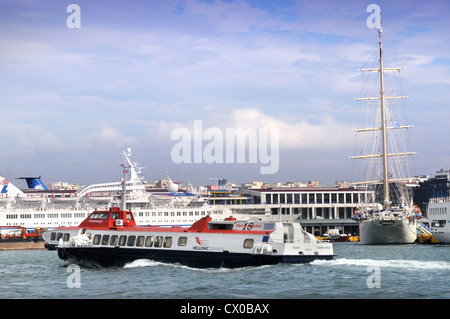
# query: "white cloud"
(107, 135)
(296, 134)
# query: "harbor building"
(317, 208)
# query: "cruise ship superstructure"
(438, 214)
(54, 208)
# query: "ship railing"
(435, 200)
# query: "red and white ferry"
(112, 238)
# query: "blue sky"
(72, 99)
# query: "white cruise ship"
(438, 213)
(42, 208)
(55, 208)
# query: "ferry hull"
(106, 257)
(380, 232)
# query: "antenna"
(124, 188)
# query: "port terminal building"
(318, 209)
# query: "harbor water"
(358, 271)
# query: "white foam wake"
(395, 263)
(141, 263)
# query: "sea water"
(357, 272)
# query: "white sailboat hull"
(380, 232)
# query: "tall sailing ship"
(394, 220)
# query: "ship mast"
(383, 124)
(384, 154)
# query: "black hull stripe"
(106, 257)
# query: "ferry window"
(182, 241)
(53, 236)
(115, 216)
(131, 240)
(122, 240)
(248, 243)
(66, 237)
(140, 241)
(59, 236)
(158, 241)
(105, 239)
(167, 242)
(99, 216)
(149, 241)
(96, 240)
(113, 241)
(129, 216)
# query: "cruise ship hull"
(380, 232)
(441, 237)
